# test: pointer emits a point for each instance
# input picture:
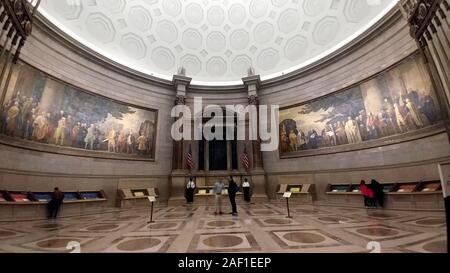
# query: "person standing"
(246, 189)
(218, 188)
(55, 203)
(378, 190)
(232, 190)
(190, 189)
(368, 194)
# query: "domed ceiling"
(216, 41)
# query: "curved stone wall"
(383, 47)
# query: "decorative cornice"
(74, 175)
(363, 169)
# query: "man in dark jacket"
(232, 190)
(55, 203)
(378, 190)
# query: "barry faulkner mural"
(397, 101)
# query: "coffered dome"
(216, 40)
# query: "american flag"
(189, 159)
(245, 161)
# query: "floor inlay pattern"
(261, 227)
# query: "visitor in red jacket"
(368, 193)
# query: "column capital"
(180, 100)
(181, 84)
(253, 81)
(178, 80)
(253, 100)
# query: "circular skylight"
(216, 41)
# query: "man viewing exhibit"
(250, 130)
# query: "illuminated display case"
(42, 196)
(139, 193)
(339, 188)
(136, 197)
(32, 205)
(92, 195)
(410, 195)
(71, 196)
(20, 197)
(300, 192)
(407, 187)
(432, 186)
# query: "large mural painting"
(398, 101)
(41, 110)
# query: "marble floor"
(258, 228)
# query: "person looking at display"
(218, 188)
(378, 191)
(368, 194)
(55, 202)
(190, 190)
(246, 189)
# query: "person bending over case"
(368, 194)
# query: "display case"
(204, 191)
(302, 193)
(339, 188)
(432, 186)
(139, 193)
(92, 195)
(20, 197)
(343, 193)
(42, 196)
(390, 187)
(32, 205)
(407, 187)
(423, 195)
(205, 194)
(411, 195)
(4, 196)
(71, 196)
(209, 191)
(129, 198)
(355, 188)
(282, 188)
